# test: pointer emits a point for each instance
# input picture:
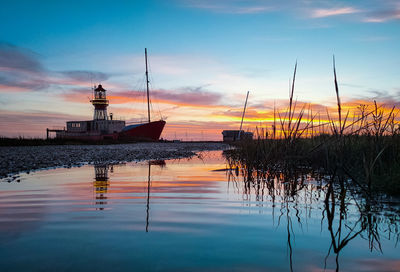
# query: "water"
(185, 215)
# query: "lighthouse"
(100, 104)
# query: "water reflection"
(148, 198)
(193, 215)
(101, 184)
(161, 164)
(344, 211)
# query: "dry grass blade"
(337, 97)
(291, 96)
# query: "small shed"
(233, 135)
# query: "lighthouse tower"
(100, 104)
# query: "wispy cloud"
(374, 39)
(19, 59)
(22, 70)
(321, 13)
(391, 98)
(85, 76)
(190, 95)
(185, 96)
(383, 16)
(371, 11)
(232, 6)
(314, 9)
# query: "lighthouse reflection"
(101, 184)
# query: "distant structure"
(235, 135)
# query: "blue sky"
(204, 55)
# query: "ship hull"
(143, 132)
(138, 132)
(87, 136)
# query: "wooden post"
(244, 110)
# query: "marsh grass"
(362, 147)
(348, 164)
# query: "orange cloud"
(186, 97)
(12, 89)
(32, 124)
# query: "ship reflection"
(102, 183)
(161, 164)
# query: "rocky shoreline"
(18, 159)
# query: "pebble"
(17, 159)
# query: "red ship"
(103, 127)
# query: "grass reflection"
(297, 193)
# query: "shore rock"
(17, 159)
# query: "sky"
(203, 57)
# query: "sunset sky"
(204, 56)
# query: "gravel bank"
(17, 159)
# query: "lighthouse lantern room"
(100, 104)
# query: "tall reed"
(365, 150)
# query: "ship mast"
(147, 85)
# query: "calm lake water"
(186, 215)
